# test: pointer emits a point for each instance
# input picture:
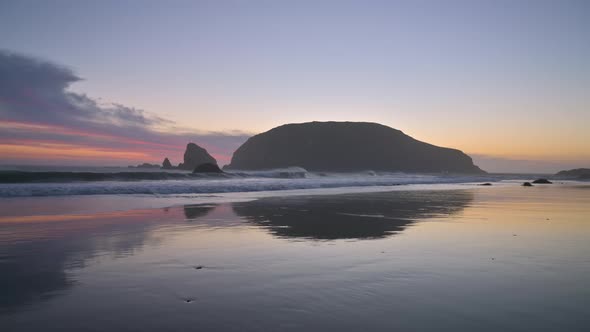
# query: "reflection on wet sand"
(36, 253)
(193, 212)
(368, 216)
(491, 259)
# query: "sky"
(125, 82)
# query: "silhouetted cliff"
(346, 146)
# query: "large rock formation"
(167, 164)
(207, 168)
(346, 146)
(195, 156)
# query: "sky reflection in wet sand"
(486, 259)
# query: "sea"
(39, 181)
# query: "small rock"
(542, 181)
(485, 184)
(199, 267)
(527, 184)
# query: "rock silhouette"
(195, 156)
(207, 168)
(166, 164)
(578, 173)
(347, 146)
(542, 181)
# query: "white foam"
(226, 185)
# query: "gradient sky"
(508, 82)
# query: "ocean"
(73, 181)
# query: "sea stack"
(207, 168)
(347, 147)
(195, 156)
(166, 164)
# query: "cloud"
(36, 109)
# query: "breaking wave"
(26, 184)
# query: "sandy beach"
(502, 257)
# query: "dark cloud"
(34, 91)
(20, 72)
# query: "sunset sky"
(125, 82)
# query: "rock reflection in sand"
(374, 215)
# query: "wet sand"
(491, 258)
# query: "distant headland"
(575, 174)
(347, 147)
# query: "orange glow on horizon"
(67, 151)
(108, 147)
(510, 145)
(27, 126)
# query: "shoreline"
(17, 207)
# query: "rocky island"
(207, 168)
(195, 156)
(166, 164)
(347, 147)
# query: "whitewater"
(116, 181)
